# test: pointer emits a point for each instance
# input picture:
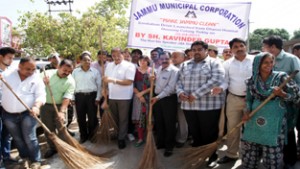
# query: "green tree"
(69, 35)
(296, 34)
(257, 36)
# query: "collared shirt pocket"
(28, 89)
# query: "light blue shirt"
(288, 63)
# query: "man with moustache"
(164, 111)
(197, 77)
(102, 56)
(237, 70)
(226, 54)
(87, 96)
(62, 85)
(119, 75)
(135, 55)
(21, 124)
(155, 58)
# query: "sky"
(264, 13)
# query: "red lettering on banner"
(166, 20)
(153, 36)
(139, 35)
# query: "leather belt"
(237, 95)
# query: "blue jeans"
(5, 139)
(22, 127)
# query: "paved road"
(129, 157)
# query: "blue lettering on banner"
(203, 8)
(225, 13)
(178, 6)
(145, 11)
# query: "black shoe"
(160, 147)
(179, 145)
(121, 144)
(226, 159)
(82, 140)
(11, 160)
(49, 153)
(168, 153)
(71, 133)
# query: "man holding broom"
(237, 70)
(197, 77)
(62, 85)
(25, 82)
(119, 76)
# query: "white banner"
(175, 24)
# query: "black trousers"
(290, 150)
(85, 107)
(204, 125)
(165, 113)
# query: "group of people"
(193, 90)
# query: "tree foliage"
(259, 34)
(296, 34)
(70, 35)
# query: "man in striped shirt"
(197, 77)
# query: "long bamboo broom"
(149, 158)
(195, 157)
(63, 129)
(73, 158)
(108, 127)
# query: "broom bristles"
(149, 158)
(106, 130)
(194, 157)
(74, 158)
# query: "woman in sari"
(264, 134)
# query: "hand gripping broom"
(73, 158)
(62, 129)
(149, 158)
(107, 127)
(195, 157)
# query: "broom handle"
(51, 94)
(102, 65)
(292, 75)
(24, 104)
(151, 96)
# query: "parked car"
(40, 63)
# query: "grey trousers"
(182, 130)
(120, 110)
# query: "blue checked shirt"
(199, 79)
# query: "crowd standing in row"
(193, 89)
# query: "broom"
(108, 127)
(63, 129)
(149, 158)
(195, 157)
(72, 157)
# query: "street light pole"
(59, 2)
